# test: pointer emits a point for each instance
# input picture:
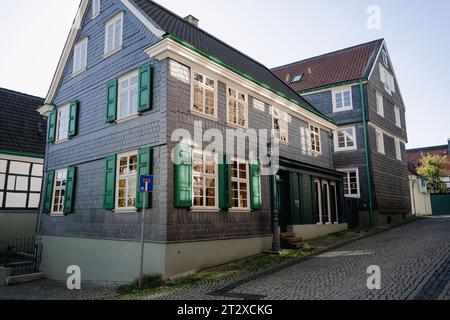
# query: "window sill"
(281, 141)
(95, 15)
(78, 72)
(342, 110)
(233, 125)
(125, 211)
(205, 210)
(109, 54)
(61, 141)
(345, 149)
(203, 115)
(352, 196)
(235, 210)
(128, 118)
(57, 215)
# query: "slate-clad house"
(22, 149)
(357, 88)
(132, 75)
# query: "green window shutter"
(225, 199)
(70, 190)
(111, 101)
(145, 167)
(110, 183)
(49, 192)
(145, 88)
(183, 176)
(255, 186)
(73, 118)
(51, 136)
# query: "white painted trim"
(315, 152)
(319, 197)
(204, 176)
(58, 213)
(127, 76)
(237, 106)
(325, 183)
(216, 94)
(96, 13)
(376, 59)
(239, 181)
(347, 171)
(331, 89)
(379, 95)
(284, 122)
(336, 140)
(116, 205)
(380, 148)
(112, 21)
(82, 42)
(398, 117)
(21, 158)
(168, 48)
(398, 149)
(45, 110)
(342, 90)
(144, 19)
(386, 133)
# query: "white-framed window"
(385, 58)
(280, 125)
(59, 192)
(345, 139)
(240, 184)
(62, 123)
(95, 8)
(204, 95)
(398, 119)
(379, 136)
(388, 80)
(342, 100)
(128, 95)
(318, 201)
(380, 104)
(351, 183)
(80, 56)
(316, 144)
(237, 108)
(126, 181)
(113, 34)
(398, 150)
(205, 180)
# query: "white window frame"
(239, 180)
(117, 48)
(130, 175)
(336, 204)
(237, 101)
(326, 183)
(319, 196)
(380, 143)
(353, 137)
(127, 77)
(313, 140)
(281, 134)
(60, 120)
(398, 118)
(387, 79)
(398, 149)
(204, 176)
(384, 58)
(80, 60)
(60, 211)
(342, 92)
(96, 5)
(347, 171)
(380, 104)
(204, 87)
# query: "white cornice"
(145, 20)
(167, 48)
(45, 110)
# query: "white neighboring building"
(420, 196)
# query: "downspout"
(366, 142)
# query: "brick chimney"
(192, 20)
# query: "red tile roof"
(349, 64)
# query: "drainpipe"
(366, 142)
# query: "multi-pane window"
(95, 8)
(204, 180)
(113, 34)
(387, 79)
(385, 58)
(398, 150)
(126, 181)
(342, 100)
(239, 184)
(59, 191)
(204, 93)
(351, 183)
(128, 95)
(237, 108)
(62, 127)
(20, 184)
(380, 104)
(398, 119)
(315, 139)
(345, 139)
(80, 56)
(380, 141)
(280, 127)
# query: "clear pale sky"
(33, 33)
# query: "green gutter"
(345, 83)
(23, 154)
(366, 142)
(246, 76)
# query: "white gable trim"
(376, 59)
(70, 42)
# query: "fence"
(440, 204)
(21, 255)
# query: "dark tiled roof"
(200, 39)
(345, 65)
(22, 128)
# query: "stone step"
(293, 239)
(285, 235)
(295, 245)
(24, 278)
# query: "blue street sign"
(146, 180)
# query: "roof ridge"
(20, 93)
(326, 54)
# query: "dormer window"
(297, 78)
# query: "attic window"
(297, 78)
(385, 58)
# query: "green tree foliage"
(432, 169)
